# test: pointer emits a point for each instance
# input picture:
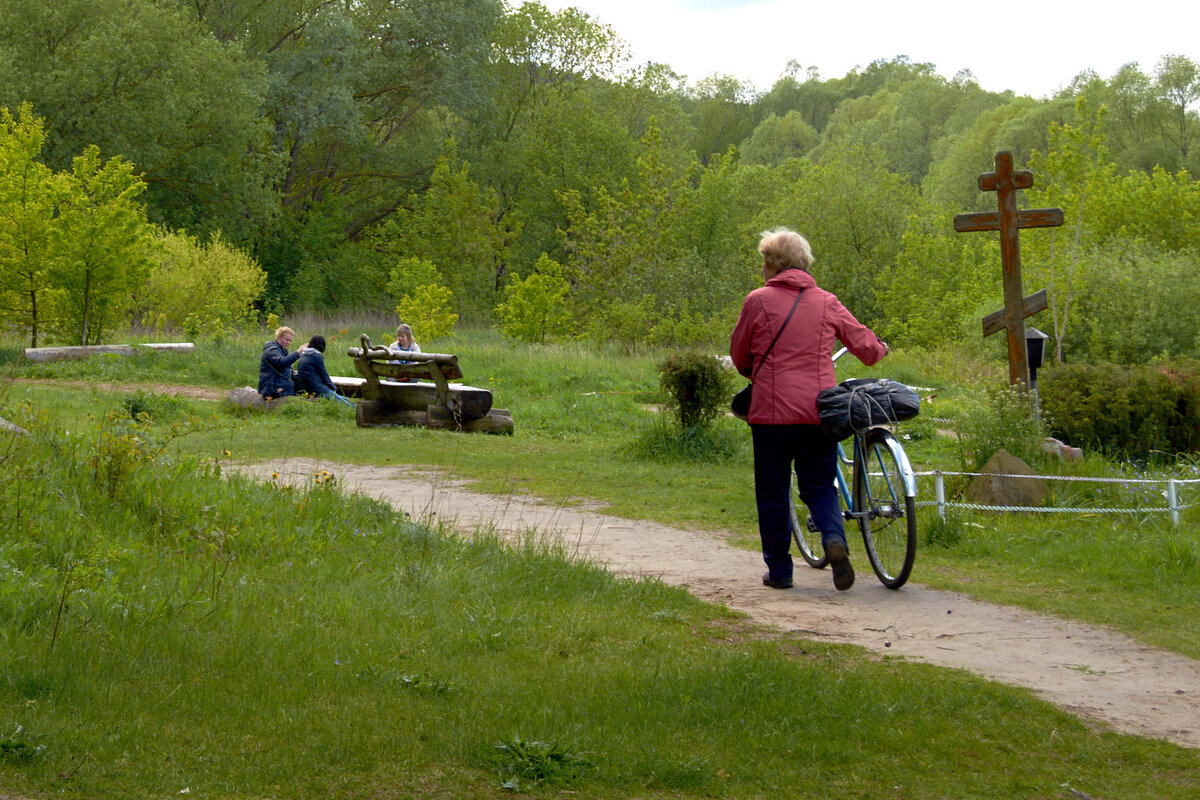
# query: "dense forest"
(193, 165)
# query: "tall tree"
(455, 226)
(137, 78)
(1177, 84)
(29, 198)
(813, 98)
(555, 123)
(854, 212)
(103, 253)
(723, 114)
(965, 155)
(1073, 171)
(777, 139)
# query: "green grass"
(584, 423)
(168, 629)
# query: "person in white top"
(404, 344)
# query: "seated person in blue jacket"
(275, 372)
(313, 377)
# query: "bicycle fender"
(897, 450)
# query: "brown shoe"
(839, 560)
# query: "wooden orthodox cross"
(1008, 220)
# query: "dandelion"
(274, 476)
(227, 453)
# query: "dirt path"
(196, 392)
(1086, 669)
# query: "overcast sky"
(1034, 49)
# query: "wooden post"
(1008, 221)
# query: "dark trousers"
(776, 449)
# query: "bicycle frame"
(839, 477)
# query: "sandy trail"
(1086, 669)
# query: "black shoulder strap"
(771, 346)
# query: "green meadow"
(170, 628)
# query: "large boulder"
(997, 485)
(245, 397)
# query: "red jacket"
(786, 385)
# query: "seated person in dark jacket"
(275, 368)
(313, 377)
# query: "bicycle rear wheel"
(806, 537)
(885, 507)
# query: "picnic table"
(419, 389)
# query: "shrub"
(534, 309)
(686, 329)
(149, 406)
(427, 310)
(409, 275)
(1002, 419)
(623, 323)
(1137, 412)
(698, 385)
(665, 442)
(201, 289)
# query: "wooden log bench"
(417, 389)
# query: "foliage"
(410, 274)
(428, 311)
(19, 746)
(853, 211)
(331, 141)
(141, 80)
(104, 251)
(624, 323)
(959, 277)
(1147, 411)
(144, 406)
(200, 288)
(1075, 169)
(454, 227)
(663, 441)
(1139, 309)
(777, 139)
(528, 760)
(534, 308)
(1001, 418)
(698, 385)
(690, 329)
(30, 194)
(73, 246)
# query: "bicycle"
(881, 499)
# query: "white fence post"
(1173, 501)
(939, 488)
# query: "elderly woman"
(794, 324)
(275, 369)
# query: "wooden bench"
(417, 389)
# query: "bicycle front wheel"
(805, 534)
(885, 507)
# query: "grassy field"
(168, 629)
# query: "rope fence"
(1174, 507)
